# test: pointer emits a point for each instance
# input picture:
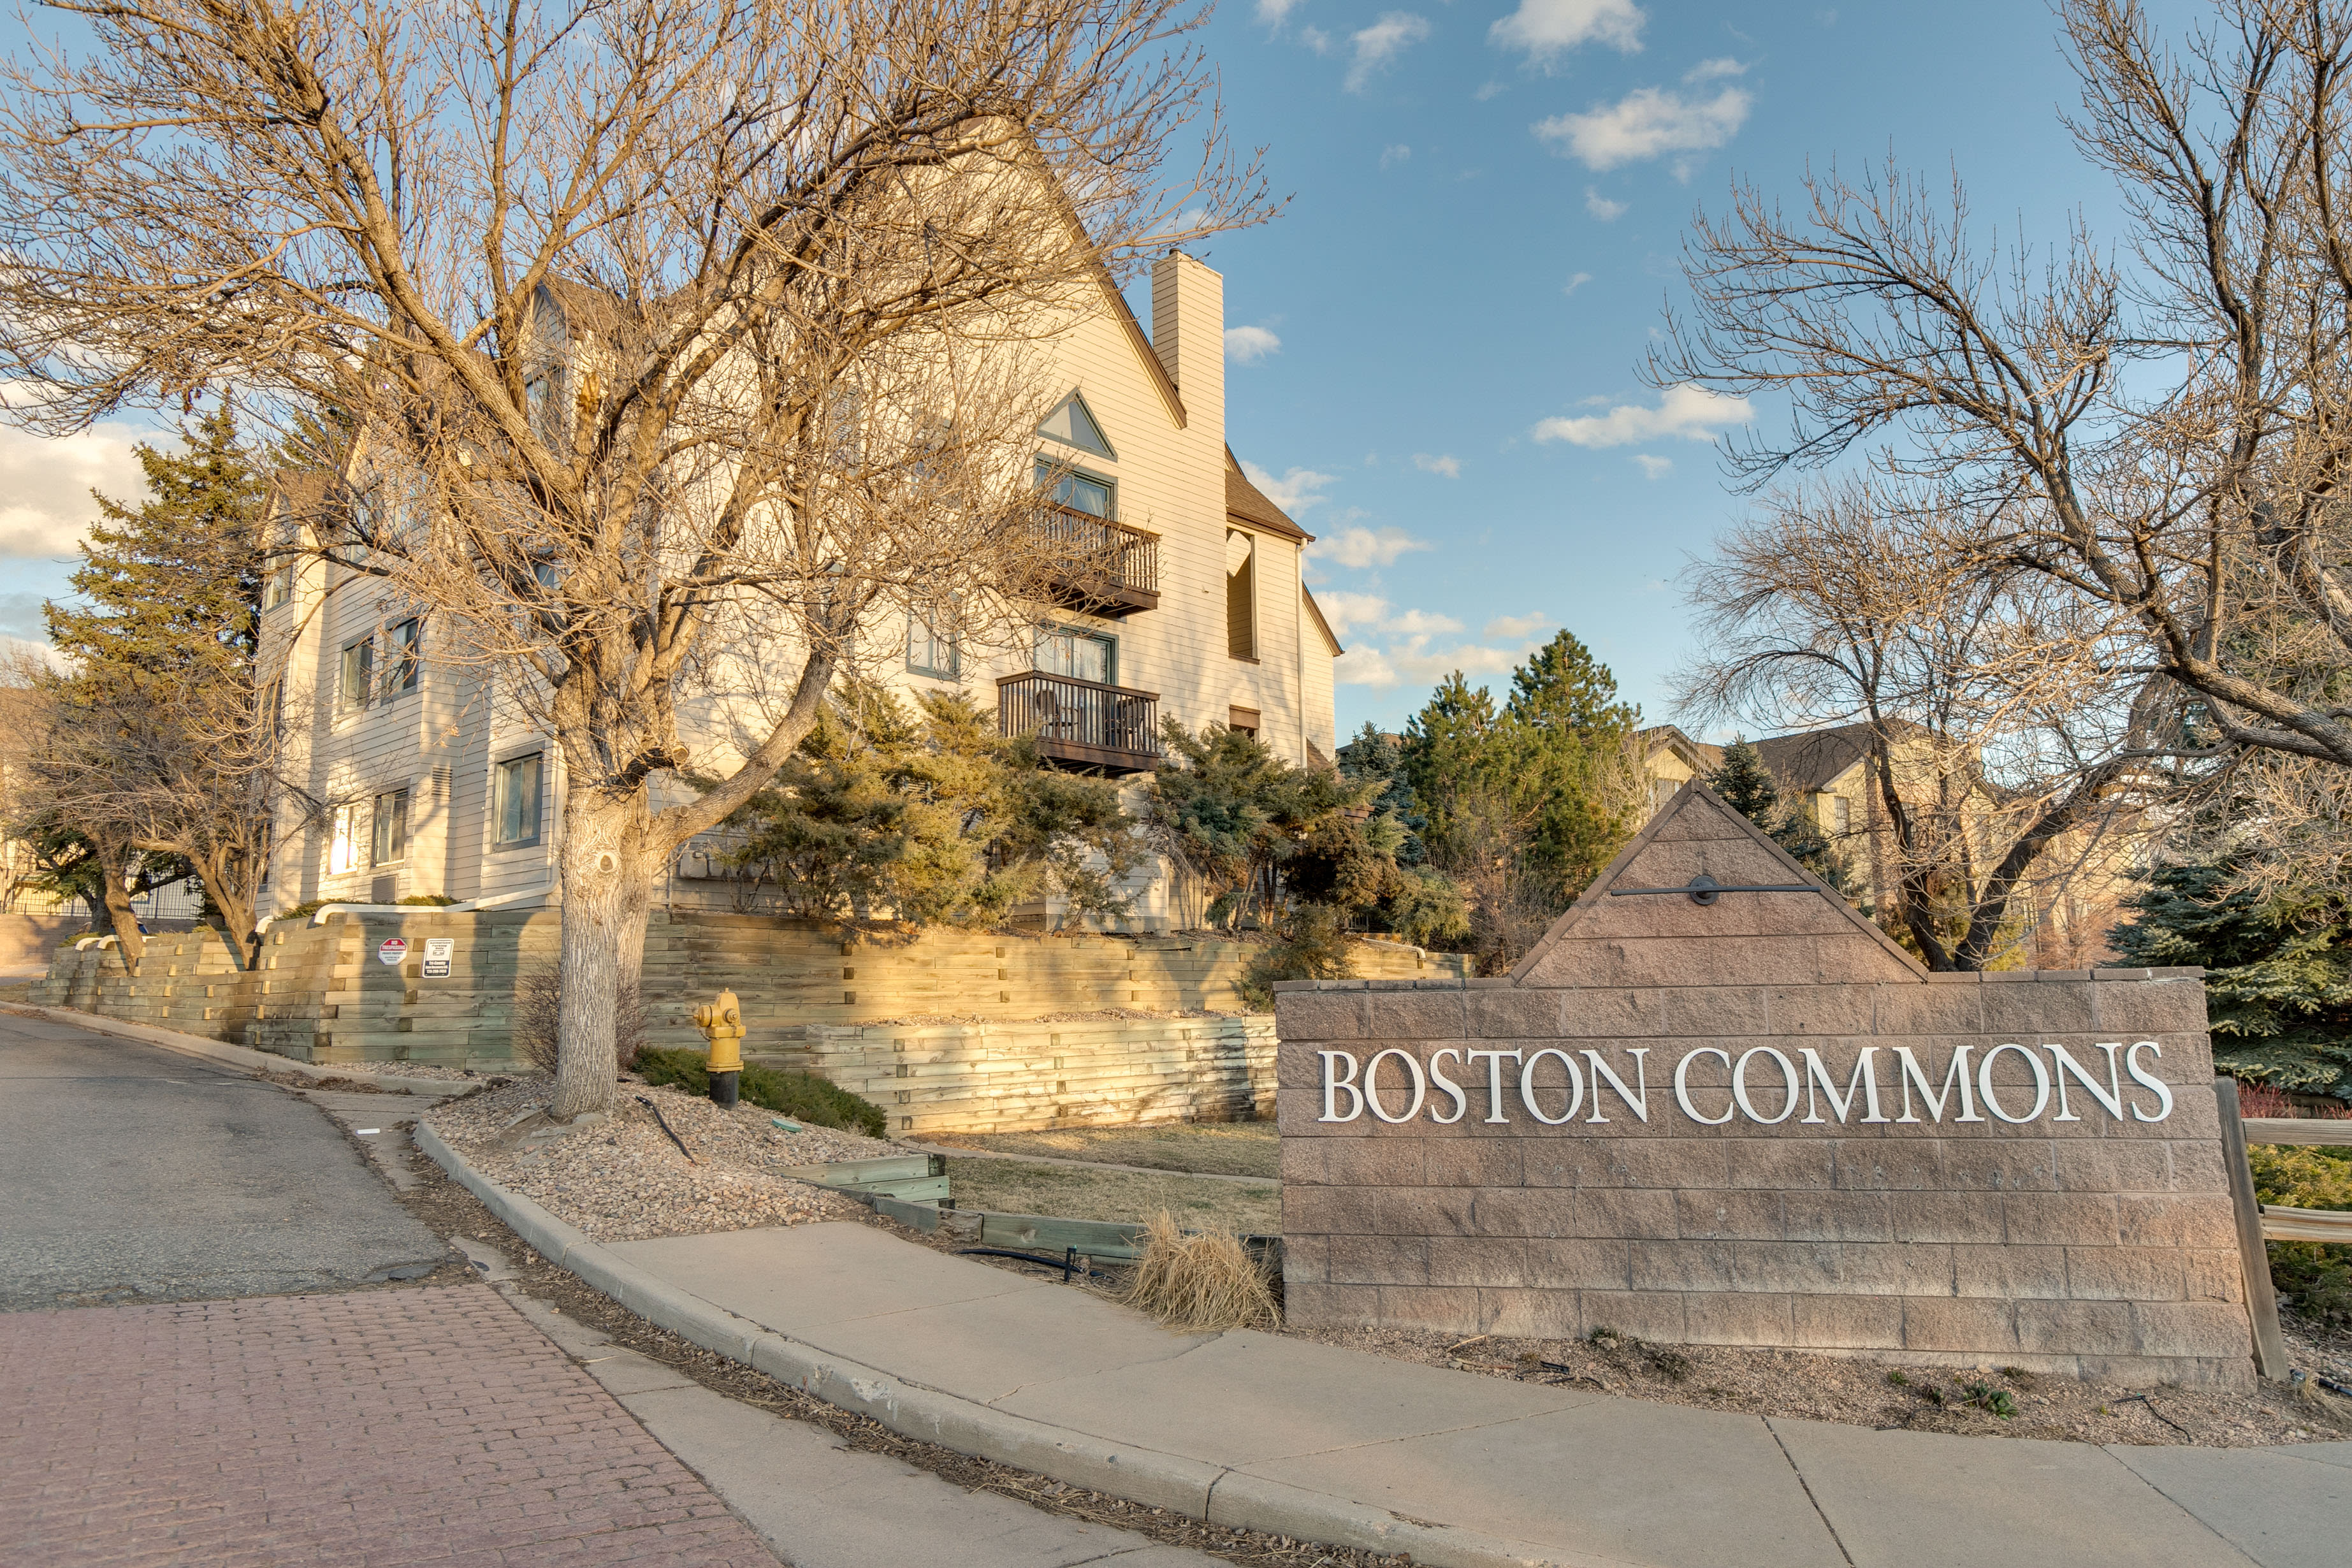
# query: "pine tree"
(2278, 970)
(156, 734)
(1746, 785)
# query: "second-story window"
(929, 650)
(1079, 492)
(1240, 595)
(400, 665)
(1085, 656)
(358, 675)
(278, 587)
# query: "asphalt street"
(129, 1174)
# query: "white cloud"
(1294, 491)
(1653, 467)
(1489, 90)
(1316, 39)
(1405, 642)
(1517, 628)
(45, 484)
(1396, 154)
(1710, 70)
(1448, 464)
(1351, 612)
(1686, 412)
(1273, 13)
(1361, 547)
(1378, 46)
(1248, 345)
(1647, 122)
(1545, 29)
(1573, 284)
(1601, 207)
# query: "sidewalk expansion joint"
(1836, 1540)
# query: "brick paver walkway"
(378, 1428)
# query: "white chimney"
(1188, 332)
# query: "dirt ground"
(1008, 1187)
(1216, 1148)
(1990, 1402)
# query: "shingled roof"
(1244, 502)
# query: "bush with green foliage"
(2278, 970)
(2315, 1277)
(804, 1097)
(931, 816)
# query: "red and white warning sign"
(394, 949)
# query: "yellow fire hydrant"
(721, 1022)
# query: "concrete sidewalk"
(1308, 1440)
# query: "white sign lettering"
(1767, 1092)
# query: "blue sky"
(1489, 201)
(1435, 349)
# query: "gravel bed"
(624, 1180)
(433, 1071)
(1919, 1399)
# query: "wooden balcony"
(1082, 724)
(1102, 567)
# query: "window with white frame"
(400, 665)
(342, 840)
(1084, 655)
(515, 804)
(357, 686)
(930, 651)
(389, 825)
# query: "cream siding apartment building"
(430, 786)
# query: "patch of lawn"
(1007, 1186)
(1217, 1147)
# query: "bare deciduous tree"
(675, 332)
(2006, 749)
(2163, 435)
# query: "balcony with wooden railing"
(1082, 724)
(1103, 567)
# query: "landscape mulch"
(625, 1179)
(1965, 1402)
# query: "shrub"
(538, 1000)
(1196, 1283)
(2315, 1276)
(1308, 945)
(804, 1097)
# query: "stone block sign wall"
(1758, 1121)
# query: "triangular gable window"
(1074, 422)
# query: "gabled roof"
(1697, 756)
(1244, 502)
(1811, 759)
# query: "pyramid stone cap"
(1806, 937)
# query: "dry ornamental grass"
(1199, 1283)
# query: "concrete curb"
(1202, 1489)
(222, 1052)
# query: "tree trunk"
(599, 829)
(236, 906)
(119, 910)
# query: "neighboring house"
(2070, 897)
(429, 787)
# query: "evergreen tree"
(1524, 805)
(1746, 786)
(2278, 970)
(160, 737)
(1374, 755)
